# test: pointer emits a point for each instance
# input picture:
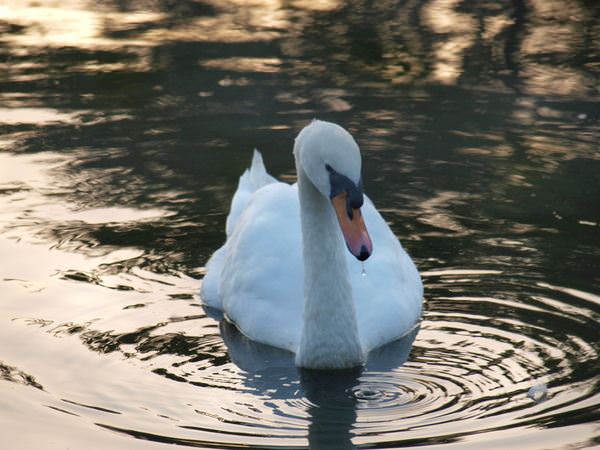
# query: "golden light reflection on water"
(13, 116)
(318, 5)
(27, 169)
(224, 28)
(537, 42)
(434, 212)
(117, 214)
(540, 79)
(557, 9)
(442, 17)
(255, 65)
(80, 24)
(495, 25)
(62, 23)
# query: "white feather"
(251, 180)
(258, 277)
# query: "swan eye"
(349, 211)
(341, 184)
(355, 195)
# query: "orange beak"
(353, 227)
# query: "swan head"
(330, 158)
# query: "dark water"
(123, 129)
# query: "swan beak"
(353, 227)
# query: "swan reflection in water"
(333, 396)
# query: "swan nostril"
(364, 253)
(350, 213)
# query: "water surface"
(124, 127)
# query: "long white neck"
(330, 337)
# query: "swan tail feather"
(251, 180)
(258, 173)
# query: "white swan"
(285, 276)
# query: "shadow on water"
(331, 397)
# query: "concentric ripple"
(471, 365)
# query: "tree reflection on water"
(472, 77)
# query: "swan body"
(286, 277)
